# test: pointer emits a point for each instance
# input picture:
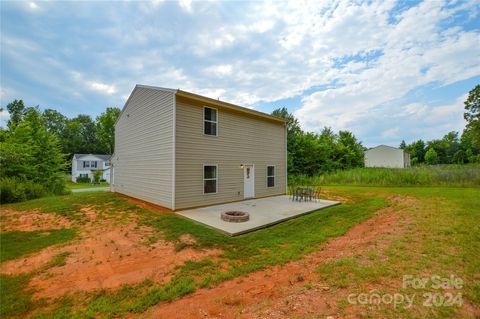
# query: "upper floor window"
(270, 176)
(107, 164)
(210, 121)
(88, 164)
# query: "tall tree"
(33, 153)
(431, 156)
(472, 114)
(17, 110)
(106, 128)
(55, 121)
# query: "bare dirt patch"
(107, 255)
(333, 196)
(279, 292)
(29, 221)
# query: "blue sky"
(384, 70)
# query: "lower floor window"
(270, 176)
(209, 179)
(83, 175)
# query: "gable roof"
(383, 145)
(205, 99)
(103, 157)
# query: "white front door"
(248, 181)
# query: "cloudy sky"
(384, 70)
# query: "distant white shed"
(387, 156)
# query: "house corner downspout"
(286, 159)
(174, 172)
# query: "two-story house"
(85, 164)
(180, 150)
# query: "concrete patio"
(263, 212)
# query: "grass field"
(439, 236)
(441, 175)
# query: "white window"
(210, 179)
(86, 164)
(93, 164)
(270, 176)
(107, 164)
(83, 175)
(210, 121)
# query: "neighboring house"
(85, 164)
(180, 150)
(387, 156)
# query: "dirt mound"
(29, 221)
(278, 292)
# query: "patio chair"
(317, 193)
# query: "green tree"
(472, 114)
(97, 175)
(106, 129)
(431, 157)
(16, 109)
(30, 152)
(55, 121)
(459, 157)
(293, 133)
(349, 152)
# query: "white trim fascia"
(174, 172)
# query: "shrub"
(16, 190)
(96, 176)
(83, 179)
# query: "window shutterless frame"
(210, 179)
(210, 121)
(271, 176)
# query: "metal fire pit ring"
(235, 216)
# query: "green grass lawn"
(443, 237)
(72, 185)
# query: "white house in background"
(85, 164)
(387, 156)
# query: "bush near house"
(82, 179)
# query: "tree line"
(80, 134)
(452, 148)
(314, 154)
(36, 148)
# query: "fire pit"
(235, 216)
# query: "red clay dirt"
(108, 255)
(278, 292)
(30, 221)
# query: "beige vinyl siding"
(143, 161)
(242, 138)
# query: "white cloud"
(220, 70)
(4, 118)
(102, 87)
(32, 5)
(186, 5)
(391, 132)
(355, 60)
